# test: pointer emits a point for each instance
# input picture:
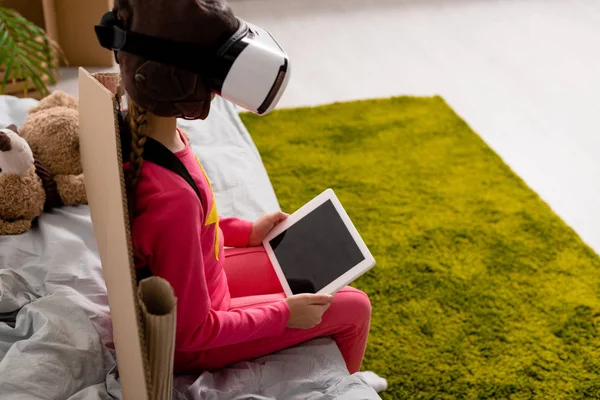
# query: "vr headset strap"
(158, 154)
(111, 35)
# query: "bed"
(55, 327)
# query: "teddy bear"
(52, 131)
(22, 195)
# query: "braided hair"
(138, 124)
(134, 127)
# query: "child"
(230, 305)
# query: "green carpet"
(480, 290)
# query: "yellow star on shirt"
(213, 215)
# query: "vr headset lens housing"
(250, 69)
(256, 70)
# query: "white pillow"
(13, 110)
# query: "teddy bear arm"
(71, 189)
(17, 227)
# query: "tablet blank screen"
(316, 250)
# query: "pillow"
(13, 110)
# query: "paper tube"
(158, 304)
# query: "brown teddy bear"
(56, 99)
(52, 131)
(22, 194)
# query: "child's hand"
(263, 226)
(306, 310)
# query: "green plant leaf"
(26, 53)
(40, 86)
(32, 66)
(3, 37)
(33, 53)
(9, 66)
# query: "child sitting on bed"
(231, 306)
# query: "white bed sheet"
(52, 274)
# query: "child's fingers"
(278, 217)
(321, 299)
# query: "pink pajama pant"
(252, 282)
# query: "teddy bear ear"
(55, 99)
(13, 128)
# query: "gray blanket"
(55, 328)
(52, 351)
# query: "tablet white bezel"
(343, 280)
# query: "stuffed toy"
(56, 99)
(40, 166)
(52, 131)
(22, 194)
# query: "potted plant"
(29, 59)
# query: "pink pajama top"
(182, 241)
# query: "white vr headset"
(250, 69)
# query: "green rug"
(480, 290)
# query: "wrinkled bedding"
(55, 328)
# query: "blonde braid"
(138, 122)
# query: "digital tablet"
(317, 249)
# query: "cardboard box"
(71, 24)
(143, 317)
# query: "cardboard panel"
(75, 20)
(102, 169)
(30, 9)
(50, 19)
(71, 24)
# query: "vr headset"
(250, 69)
